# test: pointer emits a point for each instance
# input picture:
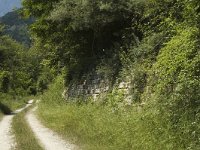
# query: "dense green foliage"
(14, 71)
(16, 79)
(154, 43)
(78, 37)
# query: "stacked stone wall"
(96, 86)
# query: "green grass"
(98, 127)
(25, 138)
(103, 127)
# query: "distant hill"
(17, 27)
(8, 6)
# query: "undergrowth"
(8, 103)
(168, 83)
(97, 126)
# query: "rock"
(64, 94)
(128, 100)
(122, 85)
(80, 86)
(126, 91)
(30, 101)
(92, 91)
(85, 81)
(106, 88)
(95, 96)
(97, 91)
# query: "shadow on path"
(5, 109)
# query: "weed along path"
(7, 141)
(48, 139)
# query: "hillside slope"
(17, 27)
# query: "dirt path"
(48, 139)
(7, 141)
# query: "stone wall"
(96, 86)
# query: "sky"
(8, 5)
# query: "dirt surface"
(7, 141)
(6, 138)
(47, 138)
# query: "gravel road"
(47, 138)
(6, 138)
(7, 141)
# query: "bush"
(176, 83)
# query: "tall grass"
(96, 127)
(25, 139)
(99, 127)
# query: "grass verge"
(25, 138)
(95, 127)
(100, 127)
